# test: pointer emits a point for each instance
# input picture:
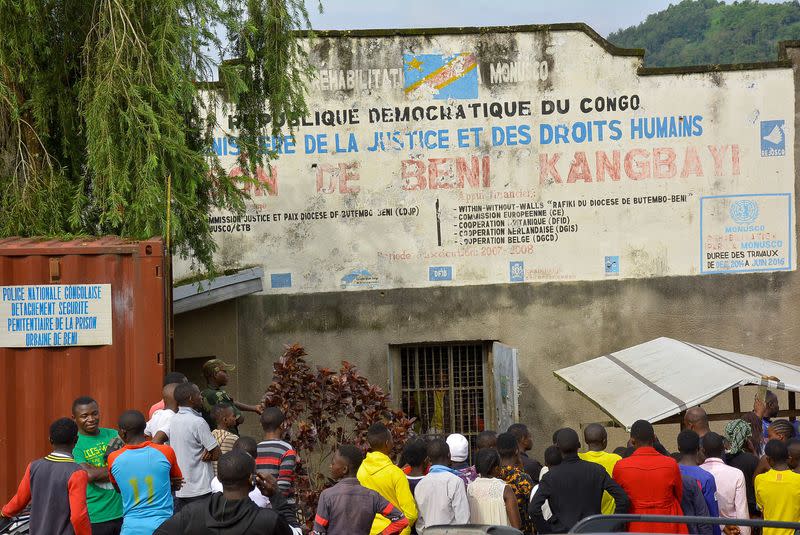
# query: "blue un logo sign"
(612, 266)
(744, 211)
(517, 271)
(773, 138)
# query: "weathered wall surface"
(435, 159)
(553, 325)
(556, 324)
(207, 331)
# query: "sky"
(605, 16)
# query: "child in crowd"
(552, 457)
(276, 457)
(414, 461)
(348, 507)
(225, 423)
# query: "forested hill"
(699, 32)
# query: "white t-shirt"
(190, 437)
(546, 512)
(255, 495)
(159, 422)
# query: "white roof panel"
(191, 296)
(651, 381)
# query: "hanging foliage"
(103, 101)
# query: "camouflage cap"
(214, 365)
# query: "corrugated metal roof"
(661, 378)
(210, 291)
(90, 245)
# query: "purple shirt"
(468, 474)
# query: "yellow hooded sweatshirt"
(378, 473)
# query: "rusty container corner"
(39, 384)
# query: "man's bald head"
(235, 469)
(771, 404)
(486, 440)
(712, 445)
(168, 392)
(247, 444)
(642, 434)
(595, 436)
(131, 426)
(567, 441)
(696, 419)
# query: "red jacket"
(654, 485)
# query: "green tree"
(697, 32)
(102, 102)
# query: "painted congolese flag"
(441, 77)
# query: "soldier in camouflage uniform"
(216, 374)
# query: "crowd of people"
(185, 469)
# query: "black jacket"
(574, 490)
(693, 504)
(286, 510)
(218, 516)
(532, 467)
(747, 463)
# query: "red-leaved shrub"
(327, 408)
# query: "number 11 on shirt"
(134, 483)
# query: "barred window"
(443, 386)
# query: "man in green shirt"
(103, 502)
(216, 374)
